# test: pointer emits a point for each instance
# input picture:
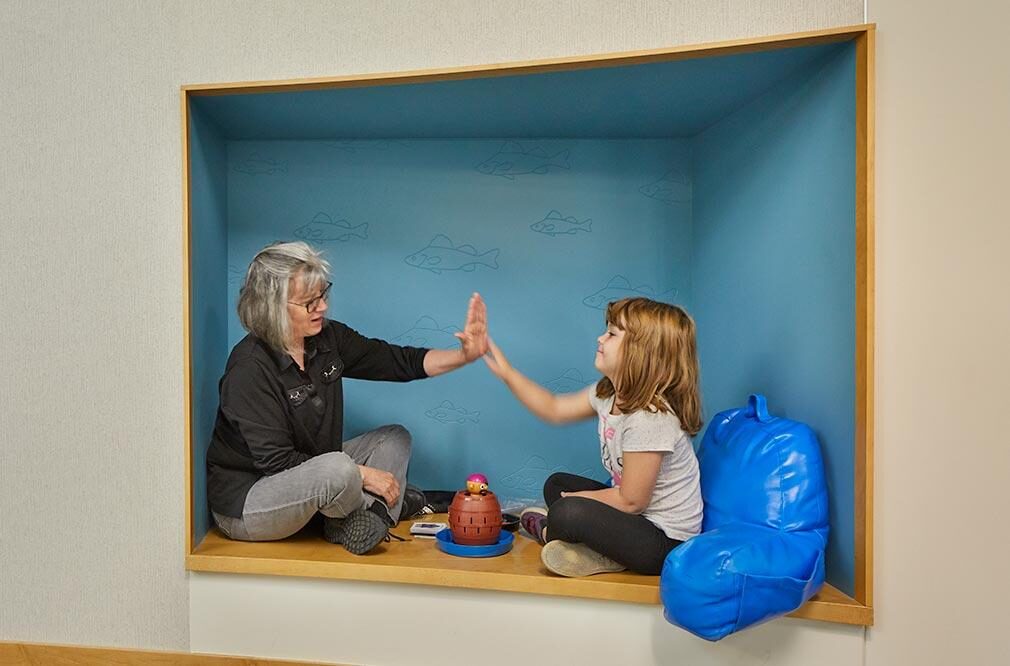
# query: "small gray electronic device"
(427, 529)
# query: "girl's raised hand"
(496, 360)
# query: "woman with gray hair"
(277, 454)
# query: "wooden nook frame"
(523, 572)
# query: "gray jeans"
(277, 506)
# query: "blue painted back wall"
(773, 268)
(621, 212)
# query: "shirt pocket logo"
(332, 371)
(299, 394)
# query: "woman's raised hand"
(473, 339)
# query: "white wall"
(943, 333)
(91, 461)
(374, 623)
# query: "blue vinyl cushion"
(761, 551)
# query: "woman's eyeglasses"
(314, 303)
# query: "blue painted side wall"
(773, 268)
(208, 294)
(547, 231)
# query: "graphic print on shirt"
(613, 465)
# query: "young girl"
(648, 405)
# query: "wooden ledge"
(420, 562)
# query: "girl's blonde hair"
(659, 364)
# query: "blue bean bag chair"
(761, 550)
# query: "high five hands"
(475, 341)
(473, 338)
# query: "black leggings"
(623, 537)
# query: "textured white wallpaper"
(941, 520)
(91, 404)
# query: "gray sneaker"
(358, 533)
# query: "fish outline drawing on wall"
(619, 287)
(355, 145)
(235, 275)
(426, 332)
(324, 228)
(570, 381)
(446, 412)
(672, 187)
(513, 159)
(255, 163)
(441, 255)
(556, 224)
(530, 476)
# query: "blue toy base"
(446, 544)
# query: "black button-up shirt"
(273, 415)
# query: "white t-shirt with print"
(676, 504)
